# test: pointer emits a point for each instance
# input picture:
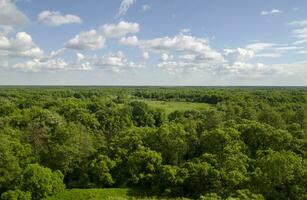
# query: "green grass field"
(91, 194)
(101, 194)
(171, 106)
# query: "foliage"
(189, 142)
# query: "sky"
(153, 42)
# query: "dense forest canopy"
(217, 143)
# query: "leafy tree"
(263, 137)
(142, 166)
(100, 171)
(201, 178)
(14, 156)
(172, 144)
(280, 175)
(16, 195)
(41, 182)
(141, 114)
(269, 116)
(245, 194)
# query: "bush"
(42, 182)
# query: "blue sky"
(153, 42)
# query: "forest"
(208, 143)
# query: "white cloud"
(82, 63)
(116, 62)
(300, 32)
(257, 47)
(120, 29)
(95, 39)
(55, 18)
(166, 57)
(288, 48)
(10, 15)
(36, 65)
(54, 63)
(300, 42)
(20, 46)
(185, 30)
(124, 7)
(188, 57)
(56, 53)
(80, 56)
(268, 55)
(34, 52)
(299, 23)
(89, 40)
(146, 7)
(117, 59)
(193, 54)
(179, 43)
(145, 55)
(6, 30)
(271, 12)
(247, 70)
(296, 68)
(132, 41)
(238, 55)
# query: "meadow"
(171, 106)
(105, 194)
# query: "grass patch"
(91, 194)
(171, 106)
(101, 194)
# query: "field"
(92, 194)
(171, 106)
(100, 194)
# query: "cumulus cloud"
(238, 55)
(132, 41)
(82, 63)
(192, 53)
(116, 62)
(55, 18)
(36, 65)
(88, 40)
(53, 62)
(10, 15)
(271, 12)
(95, 38)
(124, 7)
(247, 69)
(178, 43)
(20, 46)
(117, 59)
(120, 29)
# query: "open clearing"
(101, 194)
(171, 106)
